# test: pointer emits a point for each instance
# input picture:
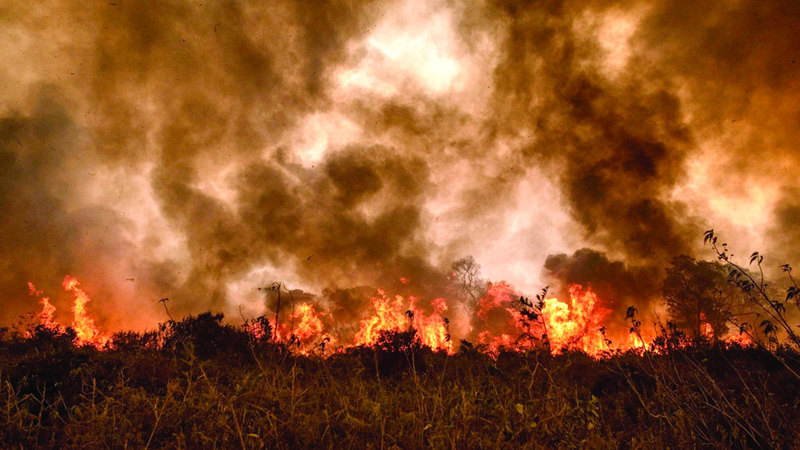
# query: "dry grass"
(214, 387)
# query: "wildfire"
(304, 330)
(575, 325)
(397, 314)
(85, 330)
(47, 316)
(502, 321)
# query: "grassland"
(202, 384)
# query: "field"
(201, 383)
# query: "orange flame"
(390, 315)
(432, 329)
(501, 322)
(47, 317)
(503, 325)
(85, 329)
(304, 329)
(741, 339)
(575, 325)
(82, 322)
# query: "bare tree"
(465, 275)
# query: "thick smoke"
(616, 284)
(198, 151)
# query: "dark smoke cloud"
(621, 144)
(616, 283)
(191, 112)
(618, 145)
(45, 233)
(785, 230)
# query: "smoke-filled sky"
(199, 150)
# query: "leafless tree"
(467, 282)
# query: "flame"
(303, 329)
(706, 330)
(82, 323)
(398, 314)
(85, 330)
(47, 317)
(389, 316)
(432, 330)
(741, 339)
(503, 325)
(501, 322)
(575, 325)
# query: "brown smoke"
(197, 151)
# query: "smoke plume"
(199, 151)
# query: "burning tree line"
(709, 301)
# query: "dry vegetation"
(199, 383)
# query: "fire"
(504, 325)
(389, 316)
(398, 314)
(741, 339)
(503, 320)
(304, 329)
(706, 329)
(432, 329)
(47, 316)
(83, 324)
(575, 325)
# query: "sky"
(200, 150)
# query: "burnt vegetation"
(200, 382)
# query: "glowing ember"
(741, 339)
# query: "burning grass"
(535, 373)
(201, 383)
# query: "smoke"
(617, 285)
(199, 151)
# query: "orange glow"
(741, 339)
(398, 314)
(47, 317)
(706, 329)
(303, 330)
(575, 325)
(432, 329)
(389, 316)
(503, 325)
(502, 321)
(83, 324)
